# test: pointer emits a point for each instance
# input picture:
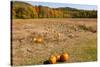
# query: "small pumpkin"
(52, 59)
(58, 57)
(38, 39)
(34, 39)
(64, 57)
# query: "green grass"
(88, 50)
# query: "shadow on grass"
(46, 62)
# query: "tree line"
(23, 10)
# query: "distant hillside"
(23, 10)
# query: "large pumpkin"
(64, 57)
(52, 59)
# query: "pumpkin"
(58, 57)
(38, 39)
(64, 57)
(34, 39)
(52, 59)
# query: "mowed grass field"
(77, 37)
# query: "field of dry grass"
(75, 36)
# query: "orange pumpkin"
(52, 59)
(38, 39)
(64, 57)
(58, 57)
